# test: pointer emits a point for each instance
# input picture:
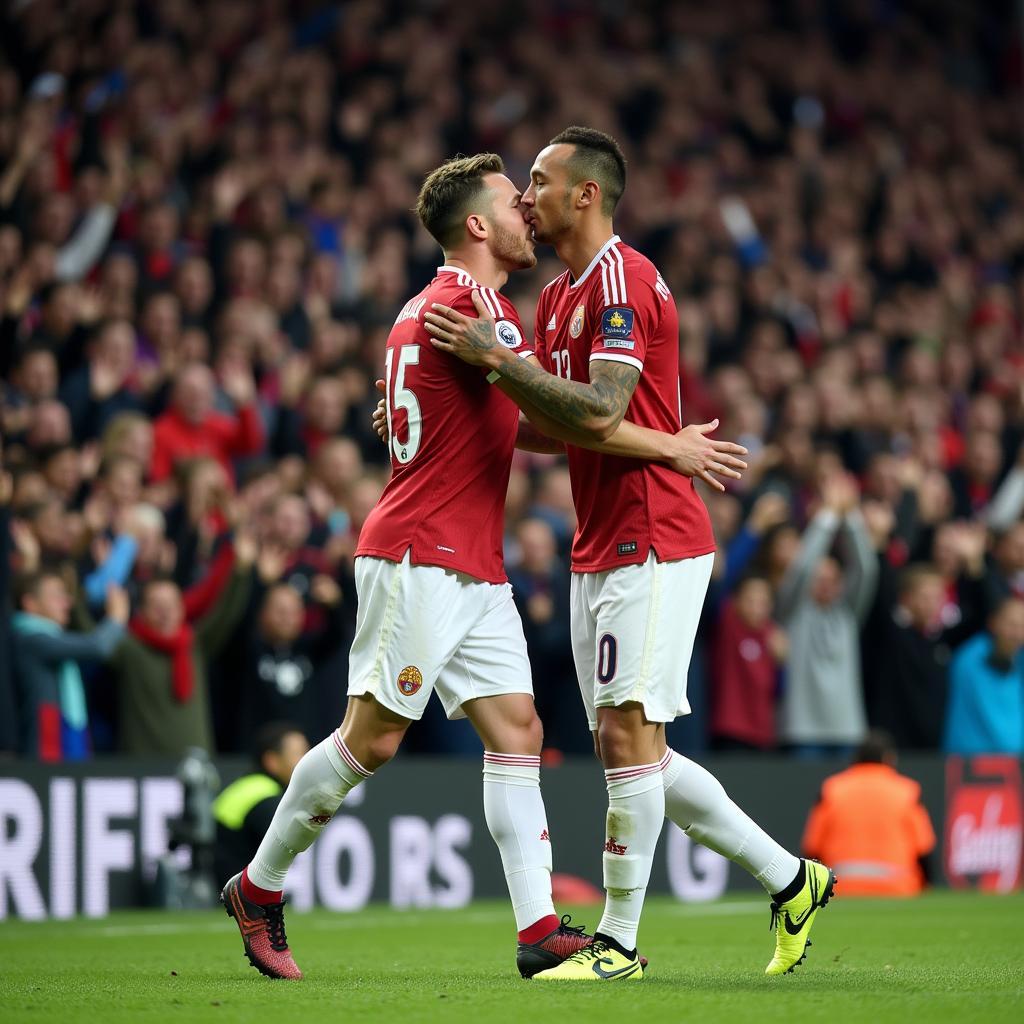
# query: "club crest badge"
(410, 679)
(576, 323)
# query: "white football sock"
(514, 809)
(321, 780)
(636, 810)
(697, 803)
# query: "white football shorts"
(633, 630)
(421, 627)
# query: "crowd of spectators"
(206, 233)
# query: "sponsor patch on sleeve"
(619, 343)
(617, 322)
(508, 334)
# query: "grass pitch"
(949, 956)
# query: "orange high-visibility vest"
(871, 828)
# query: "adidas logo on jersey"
(551, 322)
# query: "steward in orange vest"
(869, 825)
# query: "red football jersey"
(621, 309)
(452, 438)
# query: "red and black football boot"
(262, 928)
(556, 946)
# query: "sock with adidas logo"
(514, 809)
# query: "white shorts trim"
(633, 630)
(422, 627)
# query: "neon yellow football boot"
(596, 962)
(792, 920)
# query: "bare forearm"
(629, 441)
(531, 439)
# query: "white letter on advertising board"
(63, 831)
(703, 879)
(19, 846)
(451, 833)
(412, 844)
(344, 835)
(105, 849)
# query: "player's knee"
(521, 735)
(615, 742)
(533, 734)
(384, 746)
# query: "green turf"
(948, 957)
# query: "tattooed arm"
(594, 409)
(588, 416)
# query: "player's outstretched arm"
(689, 451)
(586, 415)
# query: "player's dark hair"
(877, 747)
(269, 739)
(449, 194)
(598, 157)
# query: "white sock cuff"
(636, 778)
(345, 761)
(512, 769)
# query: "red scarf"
(179, 647)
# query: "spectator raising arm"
(861, 575)
(815, 544)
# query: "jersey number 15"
(400, 397)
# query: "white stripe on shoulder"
(487, 303)
(496, 301)
(617, 260)
(614, 275)
(617, 359)
(604, 284)
(608, 266)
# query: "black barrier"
(85, 839)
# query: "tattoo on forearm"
(573, 403)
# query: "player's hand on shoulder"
(472, 339)
(692, 453)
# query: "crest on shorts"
(410, 679)
(576, 323)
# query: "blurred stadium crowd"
(206, 233)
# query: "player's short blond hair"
(449, 194)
